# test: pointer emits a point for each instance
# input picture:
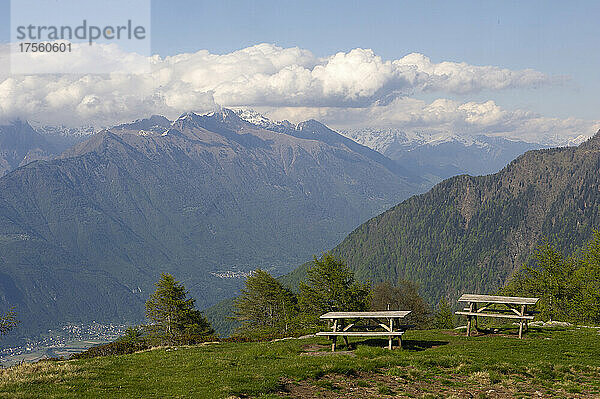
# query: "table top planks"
(362, 333)
(387, 314)
(513, 300)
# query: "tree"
(8, 321)
(330, 286)
(444, 318)
(265, 307)
(172, 315)
(550, 280)
(568, 287)
(587, 277)
(403, 296)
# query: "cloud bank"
(356, 87)
(448, 116)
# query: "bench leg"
(399, 341)
(346, 341)
(391, 337)
(523, 308)
(333, 342)
(468, 326)
(521, 329)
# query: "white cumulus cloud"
(352, 87)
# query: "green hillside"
(547, 363)
(471, 233)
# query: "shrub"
(112, 348)
(403, 296)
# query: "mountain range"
(436, 157)
(210, 197)
(207, 197)
(426, 158)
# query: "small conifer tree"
(265, 307)
(172, 315)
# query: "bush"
(444, 318)
(403, 296)
(112, 348)
(126, 345)
(236, 338)
(193, 339)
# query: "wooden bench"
(514, 308)
(388, 320)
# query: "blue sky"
(543, 35)
(557, 38)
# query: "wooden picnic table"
(388, 320)
(511, 308)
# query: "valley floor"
(547, 363)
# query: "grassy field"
(547, 363)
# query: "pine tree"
(172, 315)
(330, 286)
(265, 307)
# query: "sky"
(504, 67)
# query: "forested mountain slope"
(471, 233)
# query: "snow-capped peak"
(220, 112)
(577, 140)
(254, 117)
(381, 139)
(442, 138)
(220, 115)
(258, 119)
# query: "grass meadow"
(547, 363)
